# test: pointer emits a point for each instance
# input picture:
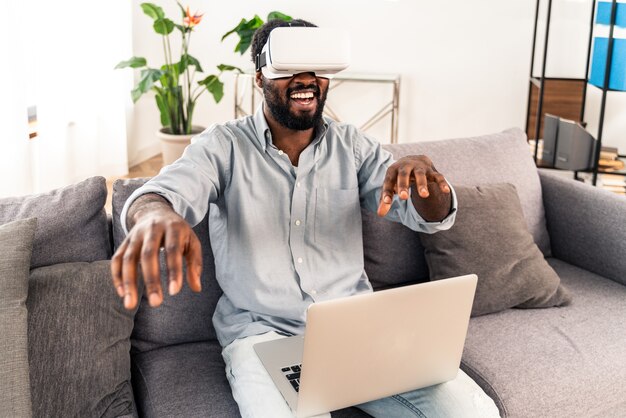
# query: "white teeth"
(308, 95)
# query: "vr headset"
(293, 50)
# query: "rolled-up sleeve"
(372, 164)
(193, 181)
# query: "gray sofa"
(553, 362)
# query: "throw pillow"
(505, 153)
(490, 238)
(16, 241)
(391, 265)
(79, 343)
(72, 222)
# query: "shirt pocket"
(337, 217)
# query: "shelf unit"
(539, 86)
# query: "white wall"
(464, 64)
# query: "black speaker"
(550, 132)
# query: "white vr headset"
(293, 50)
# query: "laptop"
(365, 347)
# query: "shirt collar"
(264, 136)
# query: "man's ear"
(258, 77)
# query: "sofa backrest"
(71, 222)
(393, 253)
(187, 317)
(496, 158)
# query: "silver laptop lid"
(371, 346)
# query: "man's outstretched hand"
(430, 191)
(155, 227)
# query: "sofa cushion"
(188, 380)
(393, 253)
(495, 158)
(16, 242)
(72, 223)
(185, 317)
(185, 380)
(490, 238)
(561, 362)
(79, 342)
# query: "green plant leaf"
(254, 23)
(278, 15)
(170, 75)
(233, 30)
(245, 30)
(190, 108)
(148, 77)
(163, 26)
(163, 110)
(214, 86)
(134, 62)
(226, 67)
(152, 10)
(187, 60)
(136, 93)
(175, 100)
(182, 9)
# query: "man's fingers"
(116, 269)
(403, 181)
(163, 230)
(421, 183)
(130, 258)
(386, 196)
(194, 262)
(174, 259)
(150, 265)
(442, 183)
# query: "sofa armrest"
(587, 225)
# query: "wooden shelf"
(562, 97)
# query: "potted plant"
(174, 85)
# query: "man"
(284, 188)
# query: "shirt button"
(314, 292)
(298, 222)
(280, 152)
(298, 184)
(300, 260)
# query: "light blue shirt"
(283, 237)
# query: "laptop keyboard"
(292, 373)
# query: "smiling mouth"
(303, 98)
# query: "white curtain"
(14, 147)
(59, 56)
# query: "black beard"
(279, 106)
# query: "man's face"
(296, 102)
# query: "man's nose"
(305, 78)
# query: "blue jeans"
(257, 396)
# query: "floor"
(148, 168)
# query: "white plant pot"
(172, 146)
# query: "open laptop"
(370, 346)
